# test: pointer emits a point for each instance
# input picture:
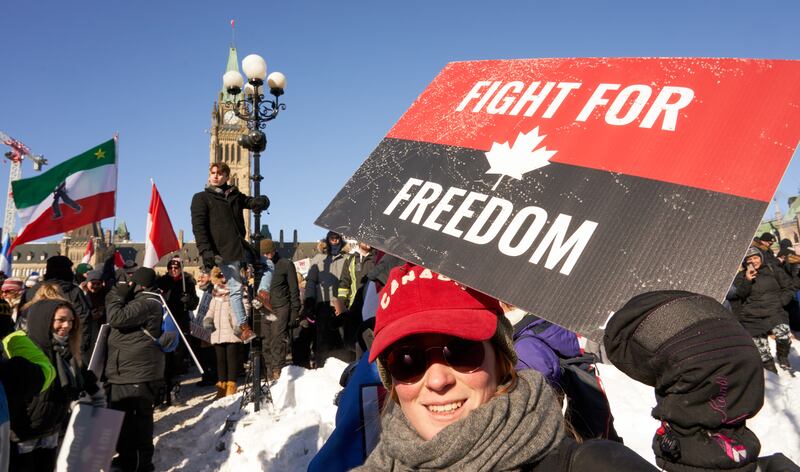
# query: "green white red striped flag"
(76, 192)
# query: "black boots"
(770, 366)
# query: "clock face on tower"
(230, 118)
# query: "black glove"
(185, 298)
(125, 292)
(308, 308)
(294, 320)
(260, 203)
(208, 260)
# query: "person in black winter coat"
(281, 298)
(219, 231)
(763, 290)
(54, 328)
(135, 366)
(59, 269)
(178, 289)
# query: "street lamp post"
(256, 111)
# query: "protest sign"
(91, 439)
(566, 186)
(97, 363)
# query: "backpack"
(170, 337)
(588, 410)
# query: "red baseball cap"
(417, 300)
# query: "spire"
(233, 64)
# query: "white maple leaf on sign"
(520, 158)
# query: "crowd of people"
(469, 382)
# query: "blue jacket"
(358, 422)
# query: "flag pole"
(116, 186)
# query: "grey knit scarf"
(512, 430)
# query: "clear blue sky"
(76, 72)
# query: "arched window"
(238, 155)
(796, 240)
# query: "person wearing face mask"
(55, 329)
(319, 316)
(455, 401)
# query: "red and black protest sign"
(566, 186)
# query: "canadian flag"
(160, 237)
(89, 252)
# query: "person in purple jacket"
(540, 345)
(556, 353)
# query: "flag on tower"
(76, 192)
(89, 252)
(160, 237)
(5, 256)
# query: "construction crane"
(18, 152)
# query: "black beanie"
(144, 277)
(59, 268)
(706, 372)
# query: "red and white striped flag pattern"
(160, 239)
(87, 255)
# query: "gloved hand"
(208, 323)
(208, 260)
(218, 261)
(306, 323)
(125, 291)
(294, 320)
(257, 303)
(185, 298)
(260, 203)
(308, 308)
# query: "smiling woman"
(445, 353)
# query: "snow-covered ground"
(287, 436)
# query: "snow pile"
(288, 436)
(284, 437)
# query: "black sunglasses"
(407, 363)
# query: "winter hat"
(58, 268)
(752, 251)
(5, 308)
(144, 277)
(785, 251)
(706, 372)
(417, 300)
(96, 274)
(83, 268)
(267, 246)
(333, 249)
(12, 283)
(785, 243)
(767, 237)
(130, 266)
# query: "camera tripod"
(256, 386)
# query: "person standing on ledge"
(218, 227)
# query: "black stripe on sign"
(650, 235)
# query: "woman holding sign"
(446, 356)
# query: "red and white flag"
(89, 252)
(161, 239)
(119, 262)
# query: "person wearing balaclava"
(320, 324)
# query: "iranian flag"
(76, 192)
(160, 239)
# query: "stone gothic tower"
(225, 131)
